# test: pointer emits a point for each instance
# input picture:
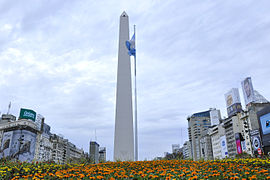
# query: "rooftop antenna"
(9, 106)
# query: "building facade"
(18, 140)
(102, 154)
(31, 140)
(197, 124)
(187, 153)
(233, 127)
(206, 146)
(94, 151)
(59, 152)
(217, 133)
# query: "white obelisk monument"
(123, 134)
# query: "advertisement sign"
(215, 116)
(23, 145)
(224, 150)
(6, 143)
(238, 146)
(235, 108)
(233, 102)
(265, 123)
(256, 143)
(248, 90)
(27, 114)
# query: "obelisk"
(123, 134)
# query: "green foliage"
(175, 156)
(243, 155)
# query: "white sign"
(224, 150)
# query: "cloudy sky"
(59, 58)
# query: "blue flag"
(131, 46)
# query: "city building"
(59, 151)
(175, 148)
(73, 152)
(94, 151)
(187, 153)
(233, 127)
(44, 146)
(102, 154)
(197, 124)
(217, 134)
(206, 146)
(6, 118)
(29, 139)
(18, 140)
(264, 122)
(251, 128)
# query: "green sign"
(27, 114)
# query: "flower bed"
(170, 169)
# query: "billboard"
(215, 116)
(224, 150)
(265, 123)
(248, 90)
(256, 142)
(238, 142)
(6, 144)
(238, 146)
(23, 145)
(233, 102)
(27, 114)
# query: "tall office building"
(102, 154)
(233, 128)
(123, 134)
(197, 124)
(94, 151)
(187, 153)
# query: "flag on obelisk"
(123, 135)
